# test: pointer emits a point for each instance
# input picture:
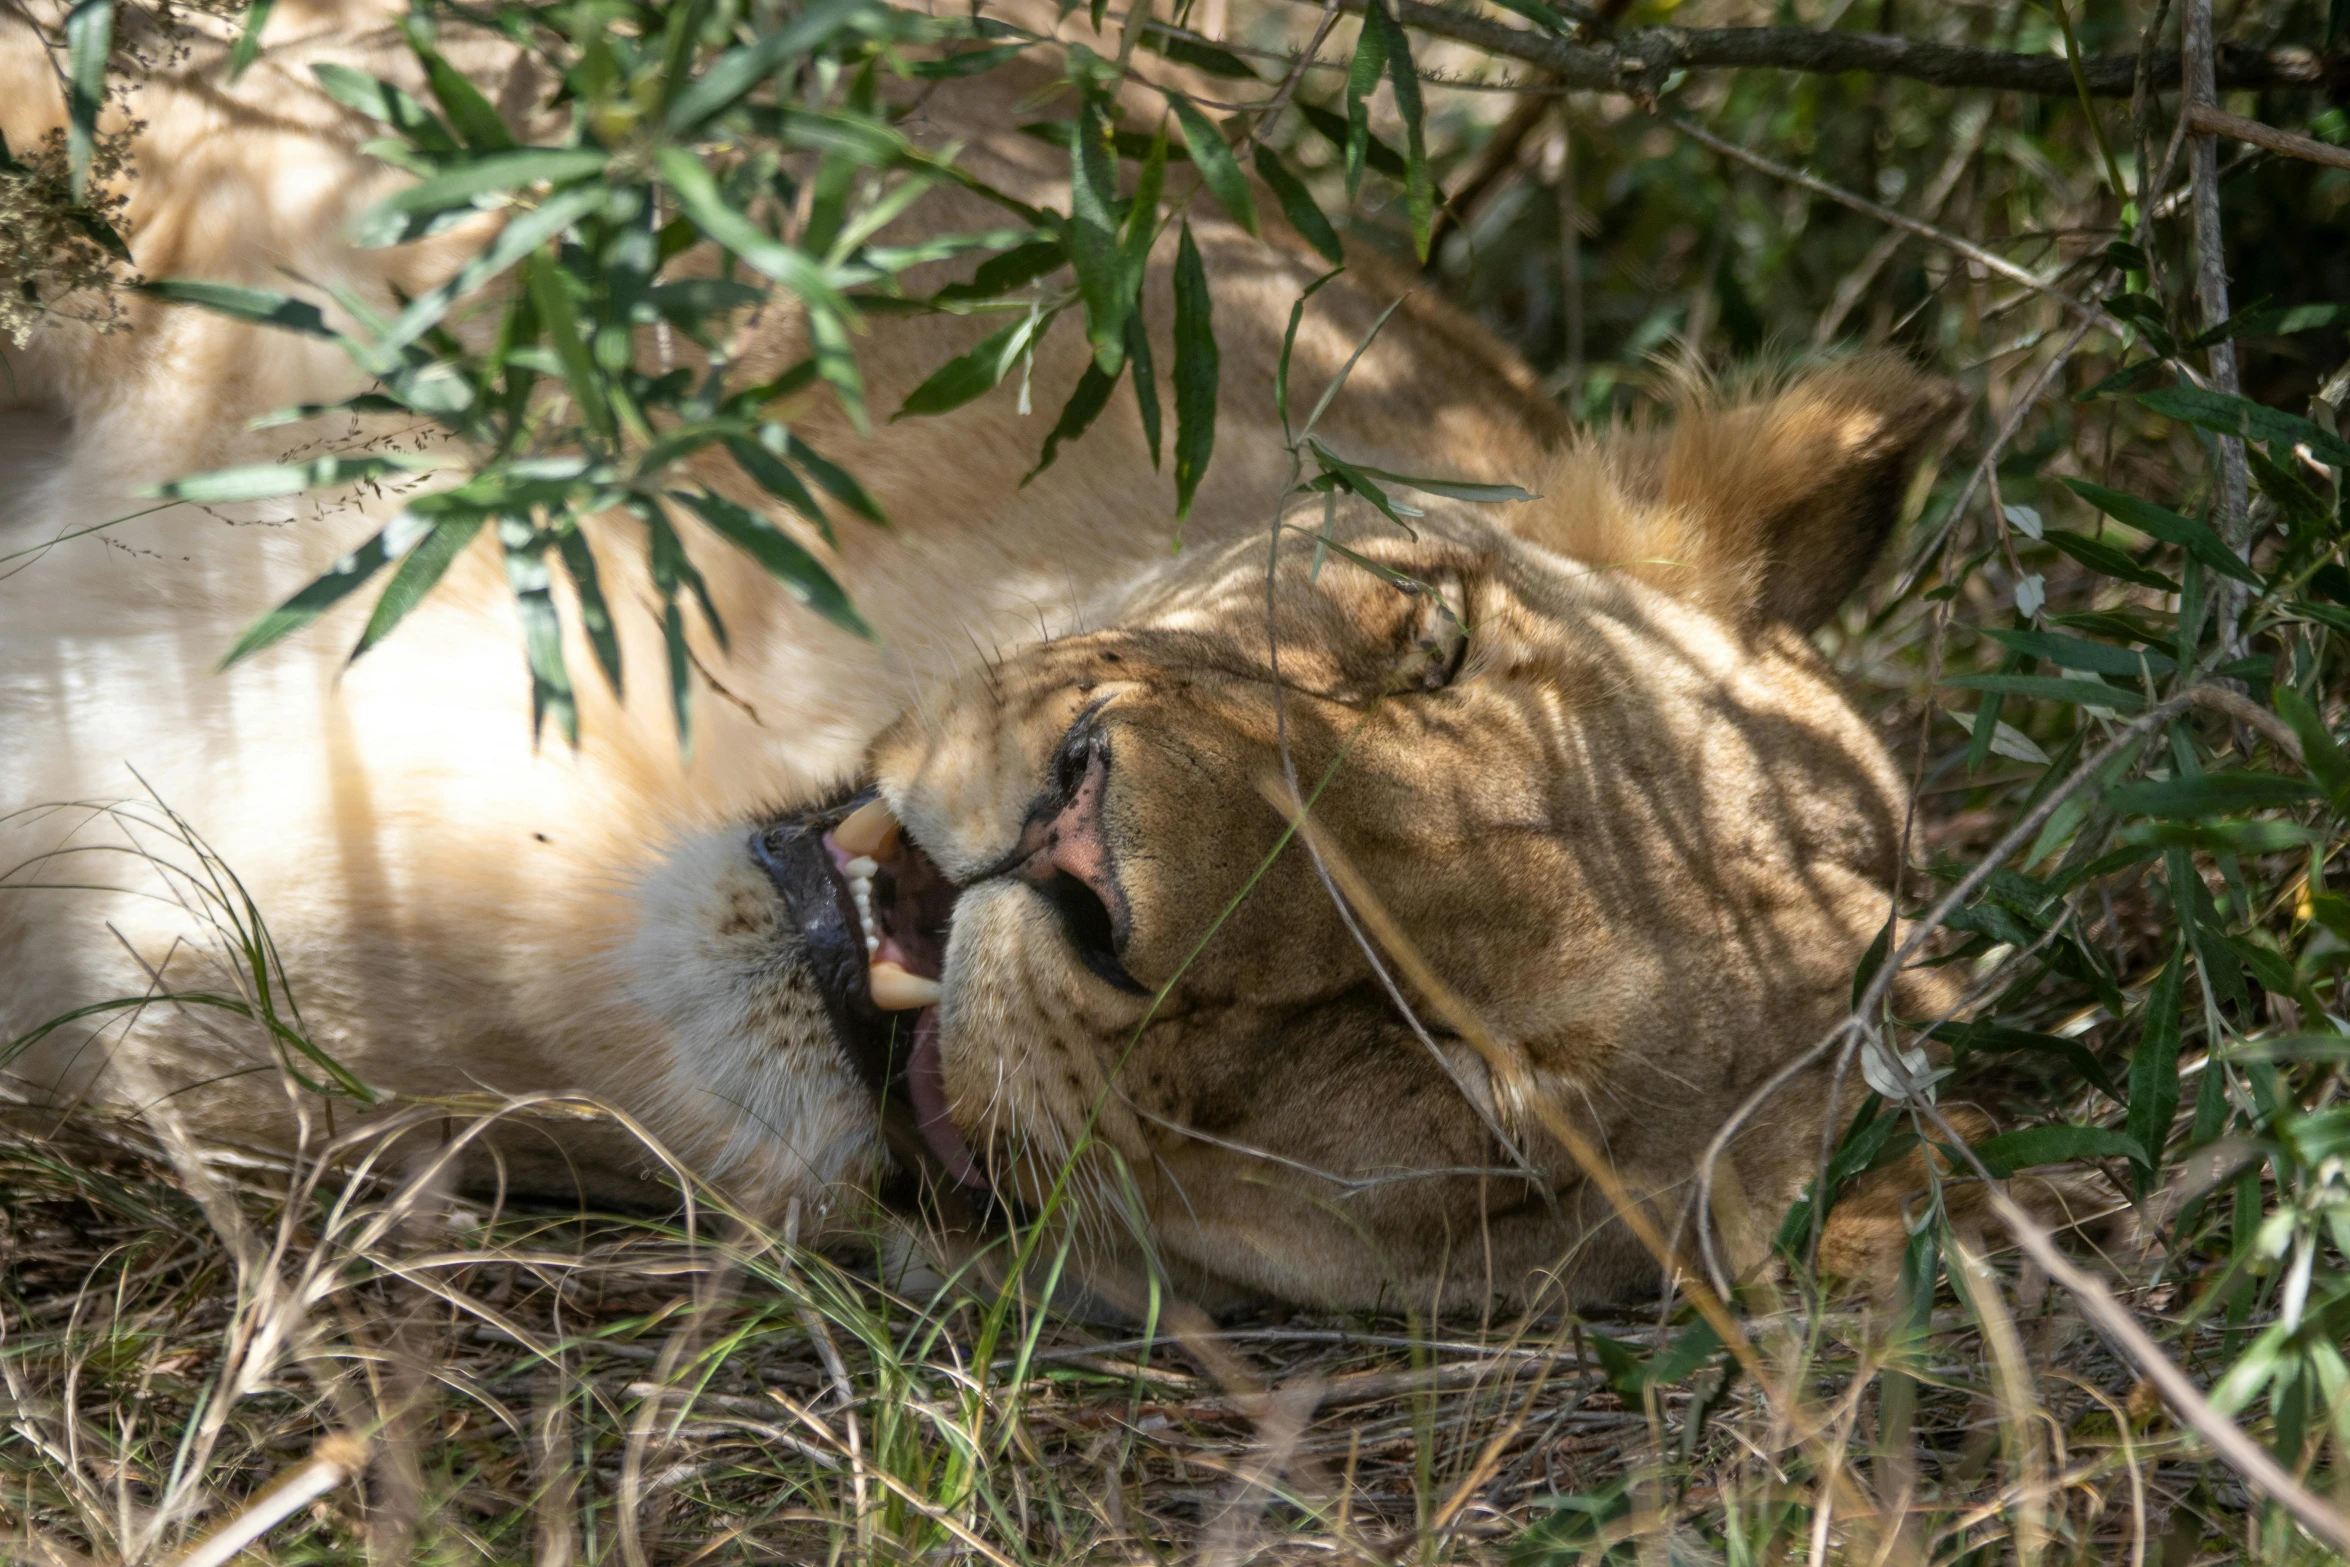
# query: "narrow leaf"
(267, 481)
(246, 304)
(531, 582)
(420, 570)
(595, 616)
(338, 582)
(2239, 416)
(2037, 1145)
(833, 480)
(2048, 688)
(969, 374)
(2100, 556)
(1196, 372)
(734, 74)
(89, 38)
(2101, 658)
(248, 47)
(1102, 280)
(1217, 166)
(2196, 538)
(552, 296)
(389, 221)
(1297, 313)
(699, 198)
(1090, 397)
(2154, 1067)
(476, 121)
(1146, 385)
(1362, 79)
(2212, 794)
(1298, 206)
(1419, 185)
(801, 574)
(380, 100)
(2277, 321)
(772, 475)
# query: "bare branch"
(2205, 120)
(1638, 61)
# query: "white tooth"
(896, 990)
(862, 867)
(866, 831)
(872, 944)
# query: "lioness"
(1020, 870)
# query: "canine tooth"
(896, 990)
(862, 867)
(872, 945)
(867, 830)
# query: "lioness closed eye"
(1021, 879)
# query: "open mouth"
(874, 912)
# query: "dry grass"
(182, 1331)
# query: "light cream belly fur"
(457, 909)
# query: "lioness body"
(1701, 832)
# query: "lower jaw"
(926, 1089)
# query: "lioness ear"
(1769, 509)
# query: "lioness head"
(1573, 761)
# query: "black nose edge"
(1065, 853)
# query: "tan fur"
(1642, 834)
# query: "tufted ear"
(1767, 508)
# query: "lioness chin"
(1032, 922)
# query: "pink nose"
(1072, 842)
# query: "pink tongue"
(926, 1082)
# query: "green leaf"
(528, 578)
(2321, 753)
(1001, 274)
(475, 120)
(971, 62)
(522, 234)
(595, 616)
(2239, 416)
(245, 304)
(2277, 321)
(733, 75)
(1355, 481)
(1196, 372)
(2048, 688)
(420, 570)
(801, 574)
(269, 480)
(338, 581)
(969, 374)
(391, 220)
(2194, 537)
(380, 100)
(1142, 216)
(833, 481)
(1298, 206)
(1362, 79)
(770, 474)
(1102, 279)
(2212, 794)
(699, 199)
(89, 38)
(1872, 1124)
(1146, 385)
(1455, 489)
(1991, 1038)
(1218, 168)
(2101, 658)
(2100, 556)
(1086, 401)
(681, 670)
(1297, 313)
(1201, 56)
(2037, 1145)
(1381, 158)
(551, 294)
(248, 47)
(2154, 1067)
(1419, 186)
(1870, 962)
(1630, 1375)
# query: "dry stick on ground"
(1638, 62)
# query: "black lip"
(792, 853)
